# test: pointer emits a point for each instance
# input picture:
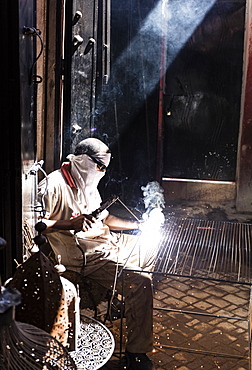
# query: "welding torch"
(104, 205)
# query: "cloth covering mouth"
(87, 178)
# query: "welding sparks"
(150, 236)
(153, 219)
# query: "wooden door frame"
(244, 157)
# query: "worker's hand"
(82, 222)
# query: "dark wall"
(10, 174)
(203, 95)
(15, 138)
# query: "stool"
(91, 293)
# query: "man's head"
(96, 150)
(91, 146)
(87, 167)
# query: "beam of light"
(137, 69)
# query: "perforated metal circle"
(95, 345)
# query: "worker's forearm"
(116, 223)
(81, 222)
(58, 224)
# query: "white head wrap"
(87, 177)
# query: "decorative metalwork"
(39, 283)
(24, 346)
(95, 345)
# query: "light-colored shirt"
(61, 202)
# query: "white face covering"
(87, 177)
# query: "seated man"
(87, 246)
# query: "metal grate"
(201, 248)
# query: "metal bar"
(121, 318)
(208, 245)
(223, 252)
(179, 253)
(239, 252)
(219, 246)
(201, 231)
(188, 241)
(244, 244)
(224, 249)
(248, 249)
(182, 242)
(235, 249)
(214, 253)
(199, 313)
(215, 354)
(249, 330)
(171, 231)
(231, 246)
(194, 277)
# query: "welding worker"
(69, 196)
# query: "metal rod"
(199, 351)
(199, 313)
(121, 318)
(128, 209)
(194, 277)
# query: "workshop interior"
(165, 84)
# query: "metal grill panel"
(203, 248)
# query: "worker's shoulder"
(57, 173)
(54, 177)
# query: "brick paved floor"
(187, 341)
